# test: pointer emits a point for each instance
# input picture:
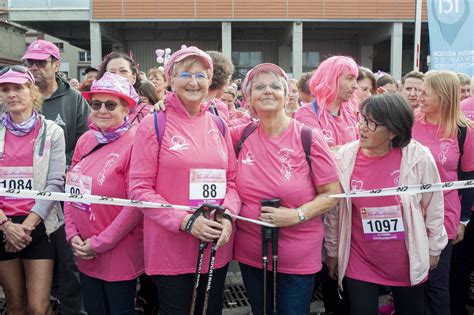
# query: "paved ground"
(235, 301)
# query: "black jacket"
(67, 108)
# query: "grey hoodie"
(68, 109)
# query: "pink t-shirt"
(163, 175)
(467, 107)
(116, 232)
(16, 170)
(446, 155)
(378, 252)
(337, 130)
(275, 167)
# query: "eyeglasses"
(188, 75)
(274, 86)
(39, 63)
(19, 69)
(109, 105)
(371, 125)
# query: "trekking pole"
(202, 245)
(219, 210)
(266, 237)
(276, 204)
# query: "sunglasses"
(19, 69)
(109, 105)
(39, 63)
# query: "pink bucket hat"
(114, 85)
(263, 67)
(17, 75)
(184, 53)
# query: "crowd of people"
(268, 148)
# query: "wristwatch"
(301, 214)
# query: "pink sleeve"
(467, 160)
(142, 176)
(127, 219)
(306, 116)
(231, 200)
(245, 119)
(323, 164)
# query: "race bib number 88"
(206, 186)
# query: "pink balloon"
(159, 53)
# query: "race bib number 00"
(383, 223)
(78, 184)
(206, 186)
(16, 178)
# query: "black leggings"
(175, 293)
(364, 298)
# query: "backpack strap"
(247, 132)
(314, 106)
(159, 119)
(306, 141)
(220, 123)
(213, 108)
(97, 147)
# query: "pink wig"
(324, 84)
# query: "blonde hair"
(36, 96)
(446, 85)
(155, 72)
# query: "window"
(310, 59)
(245, 60)
(84, 56)
(60, 46)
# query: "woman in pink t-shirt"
(32, 157)
(438, 123)
(106, 240)
(273, 164)
(390, 240)
(176, 159)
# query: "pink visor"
(16, 74)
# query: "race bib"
(16, 177)
(383, 223)
(206, 186)
(78, 184)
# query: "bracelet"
(5, 220)
(191, 220)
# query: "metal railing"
(48, 4)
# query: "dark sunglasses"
(17, 68)
(39, 63)
(109, 105)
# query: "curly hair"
(223, 70)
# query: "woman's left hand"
(86, 248)
(225, 234)
(281, 217)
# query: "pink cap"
(263, 67)
(41, 50)
(16, 76)
(184, 53)
(113, 84)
